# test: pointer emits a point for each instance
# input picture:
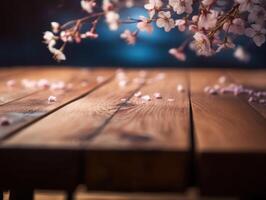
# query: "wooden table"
(99, 134)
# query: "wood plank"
(56, 139)
(254, 79)
(6, 72)
(146, 145)
(8, 94)
(25, 111)
(229, 140)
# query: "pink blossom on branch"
(210, 25)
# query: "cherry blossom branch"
(213, 24)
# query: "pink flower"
(237, 26)
(153, 6)
(178, 54)
(202, 45)
(144, 24)
(257, 33)
(112, 19)
(257, 15)
(55, 27)
(208, 20)
(129, 37)
(181, 6)
(181, 24)
(165, 21)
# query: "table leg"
(21, 194)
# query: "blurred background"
(24, 21)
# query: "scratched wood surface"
(230, 138)
(99, 134)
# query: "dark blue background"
(25, 21)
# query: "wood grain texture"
(229, 138)
(8, 94)
(146, 145)
(25, 167)
(57, 140)
(35, 106)
(251, 79)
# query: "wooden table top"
(99, 133)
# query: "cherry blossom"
(145, 25)
(181, 6)
(55, 27)
(210, 25)
(257, 33)
(237, 26)
(245, 5)
(208, 20)
(202, 45)
(178, 54)
(112, 19)
(88, 5)
(181, 24)
(153, 6)
(257, 15)
(165, 21)
(129, 37)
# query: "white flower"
(257, 33)
(181, 24)
(107, 5)
(112, 18)
(208, 20)
(58, 55)
(48, 37)
(181, 6)
(237, 26)
(144, 24)
(165, 21)
(202, 45)
(257, 14)
(152, 6)
(241, 54)
(178, 54)
(129, 37)
(55, 27)
(88, 5)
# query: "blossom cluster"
(211, 26)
